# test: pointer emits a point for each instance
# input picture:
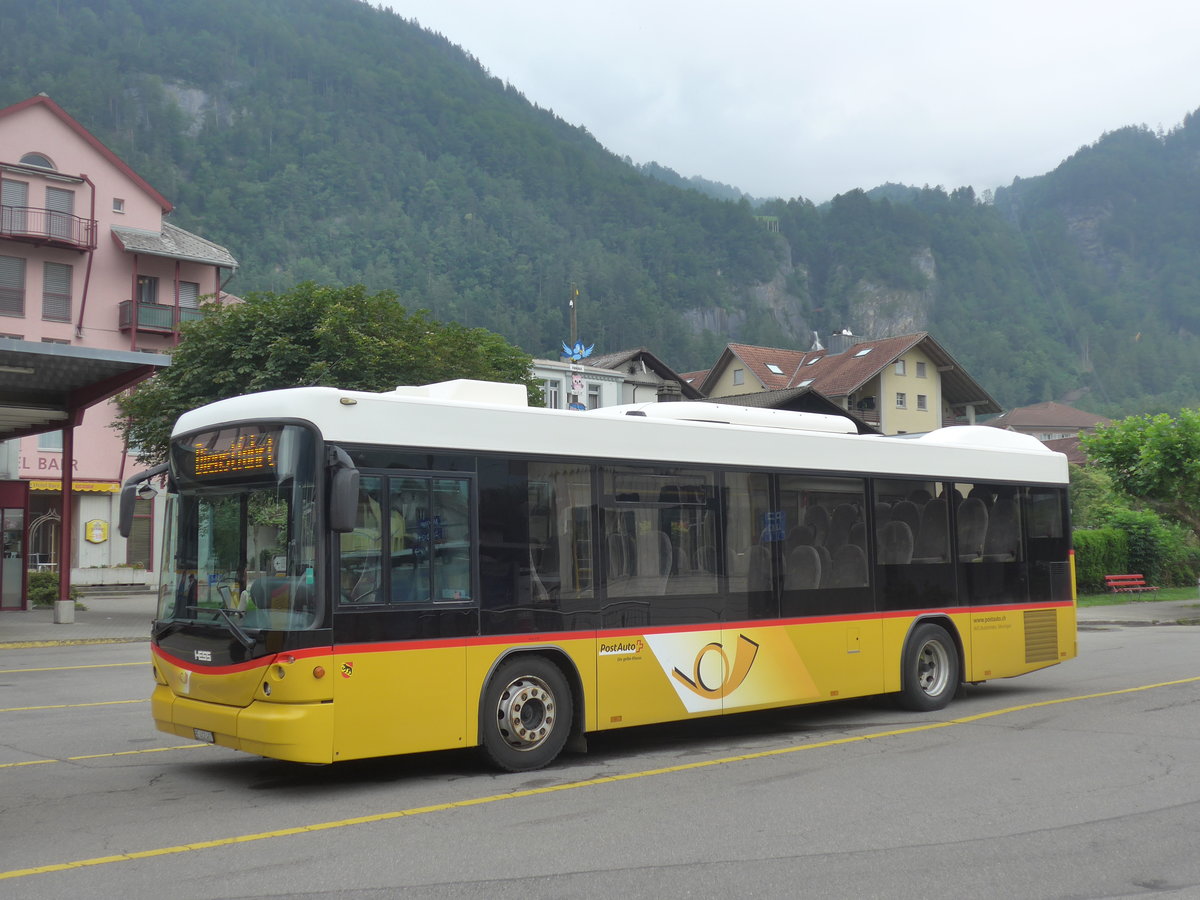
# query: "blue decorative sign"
(578, 352)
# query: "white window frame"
(899, 367)
(921, 370)
(922, 401)
(901, 400)
(739, 376)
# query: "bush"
(1166, 553)
(43, 589)
(1099, 552)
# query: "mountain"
(333, 141)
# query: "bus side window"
(361, 548)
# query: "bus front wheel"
(929, 673)
(526, 714)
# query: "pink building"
(87, 260)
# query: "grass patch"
(1166, 595)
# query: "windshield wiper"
(234, 628)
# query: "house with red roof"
(901, 385)
(1049, 421)
(1056, 425)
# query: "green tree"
(1155, 459)
(311, 335)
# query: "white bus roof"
(439, 417)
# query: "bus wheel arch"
(529, 709)
(931, 665)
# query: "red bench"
(1127, 584)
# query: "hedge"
(1099, 552)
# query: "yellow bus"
(353, 574)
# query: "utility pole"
(574, 318)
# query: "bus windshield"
(242, 531)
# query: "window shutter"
(139, 546)
(189, 294)
(14, 198)
(62, 208)
(12, 286)
(56, 292)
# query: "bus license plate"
(202, 735)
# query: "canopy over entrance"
(47, 387)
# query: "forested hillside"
(332, 141)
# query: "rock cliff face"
(716, 319)
(1085, 227)
(785, 308)
(874, 310)
(879, 311)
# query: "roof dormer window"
(863, 352)
(36, 159)
(774, 369)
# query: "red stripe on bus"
(260, 663)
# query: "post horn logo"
(743, 659)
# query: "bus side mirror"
(125, 513)
(343, 493)
(135, 486)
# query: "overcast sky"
(813, 99)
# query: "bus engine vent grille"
(1041, 635)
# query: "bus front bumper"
(299, 732)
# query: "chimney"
(843, 341)
(669, 391)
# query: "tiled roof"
(1048, 415)
(839, 374)
(799, 399)
(621, 360)
(833, 374)
(174, 243)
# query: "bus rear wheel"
(929, 673)
(526, 714)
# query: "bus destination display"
(242, 454)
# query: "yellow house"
(902, 385)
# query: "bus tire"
(525, 714)
(929, 670)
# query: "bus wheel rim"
(933, 668)
(525, 713)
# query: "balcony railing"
(153, 317)
(48, 227)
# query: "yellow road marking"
(569, 786)
(70, 668)
(42, 762)
(74, 705)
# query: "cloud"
(814, 99)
